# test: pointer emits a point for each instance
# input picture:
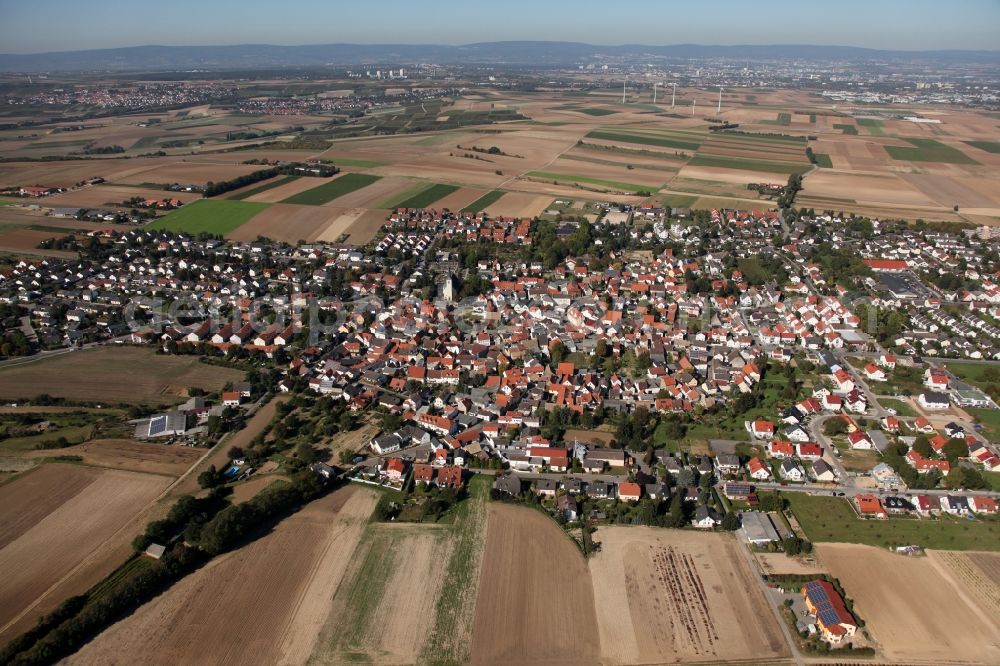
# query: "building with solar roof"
(832, 617)
(162, 425)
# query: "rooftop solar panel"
(157, 425)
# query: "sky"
(65, 25)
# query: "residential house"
(835, 622)
(791, 471)
(759, 470)
(870, 506)
(705, 518)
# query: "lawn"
(215, 216)
(262, 188)
(992, 478)
(902, 408)
(748, 164)
(988, 146)
(990, 418)
(596, 112)
(330, 190)
(484, 202)
(427, 196)
(929, 150)
(874, 125)
(642, 139)
(833, 519)
(846, 129)
(631, 187)
(978, 374)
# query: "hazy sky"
(64, 25)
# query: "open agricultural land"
(919, 609)
(532, 572)
(57, 517)
(277, 592)
(108, 374)
(541, 146)
(664, 596)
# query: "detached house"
(760, 429)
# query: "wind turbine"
(654, 93)
(693, 103)
(623, 88)
(719, 108)
(673, 97)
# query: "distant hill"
(256, 56)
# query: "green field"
(270, 185)
(846, 129)
(643, 139)
(988, 146)
(833, 519)
(874, 125)
(678, 200)
(485, 201)
(629, 187)
(978, 374)
(426, 196)
(929, 150)
(748, 164)
(215, 216)
(782, 119)
(596, 111)
(330, 190)
(823, 160)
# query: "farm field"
(532, 573)
(665, 596)
(56, 517)
(288, 223)
(912, 606)
(247, 192)
(519, 204)
(426, 196)
(108, 374)
(585, 180)
(277, 591)
(127, 454)
(383, 611)
(101, 196)
(929, 150)
(215, 216)
(332, 189)
(484, 202)
(832, 519)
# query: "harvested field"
(383, 615)
(531, 575)
(24, 238)
(976, 573)
(100, 196)
(459, 199)
(127, 454)
(519, 204)
(108, 374)
(288, 223)
(187, 172)
(668, 596)
(886, 188)
(55, 517)
(277, 592)
(247, 489)
(368, 197)
(364, 228)
(914, 612)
